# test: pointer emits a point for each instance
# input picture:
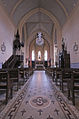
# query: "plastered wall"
(6, 36)
(70, 32)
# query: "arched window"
(33, 55)
(39, 55)
(45, 55)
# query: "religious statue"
(63, 44)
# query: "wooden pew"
(26, 72)
(65, 78)
(53, 72)
(57, 74)
(49, 71)
(5, 84)
(14, 76)
(74, 85)
(21, 72)
(10, 77)
(30, 71)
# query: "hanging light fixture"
(39, 39)
(39, 36)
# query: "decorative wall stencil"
(3, 47)
(75, 47)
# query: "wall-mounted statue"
(64, 57)
(63, 44)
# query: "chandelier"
(39, 36)
(39, 39)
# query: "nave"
(39, 98)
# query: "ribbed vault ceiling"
(39, 21)
(60, 9)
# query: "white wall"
(70, 32)
(6, 35)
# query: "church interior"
(39, 59)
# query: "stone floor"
(39, 98)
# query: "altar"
(39, 65)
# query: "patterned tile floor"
(39, 99)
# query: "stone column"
(52, 46)
(25, 47)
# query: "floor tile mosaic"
(39, 99)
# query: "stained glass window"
(33, 55)
(45, 55)
(39, 55)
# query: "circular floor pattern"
(40, 102)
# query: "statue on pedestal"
(63, 44)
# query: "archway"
(40, 52)
(56, 25)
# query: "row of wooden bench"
(10, 77)
(68, 76)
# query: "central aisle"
(39, 100)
